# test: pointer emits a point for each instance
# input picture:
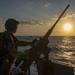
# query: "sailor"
(9, 45)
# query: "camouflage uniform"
(9, 50)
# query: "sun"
(67, 26)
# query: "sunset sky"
(37, 16)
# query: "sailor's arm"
(25, 43)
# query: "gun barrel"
(51, 29)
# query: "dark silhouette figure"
(8, 46)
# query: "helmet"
(11, 24)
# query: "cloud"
(2, 21)
(71, 15)
(51, 21)
(31, 23)
(65, 18)
(48, 4)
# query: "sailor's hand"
(34, 42)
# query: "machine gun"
(33, 53)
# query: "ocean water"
(62, 49)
